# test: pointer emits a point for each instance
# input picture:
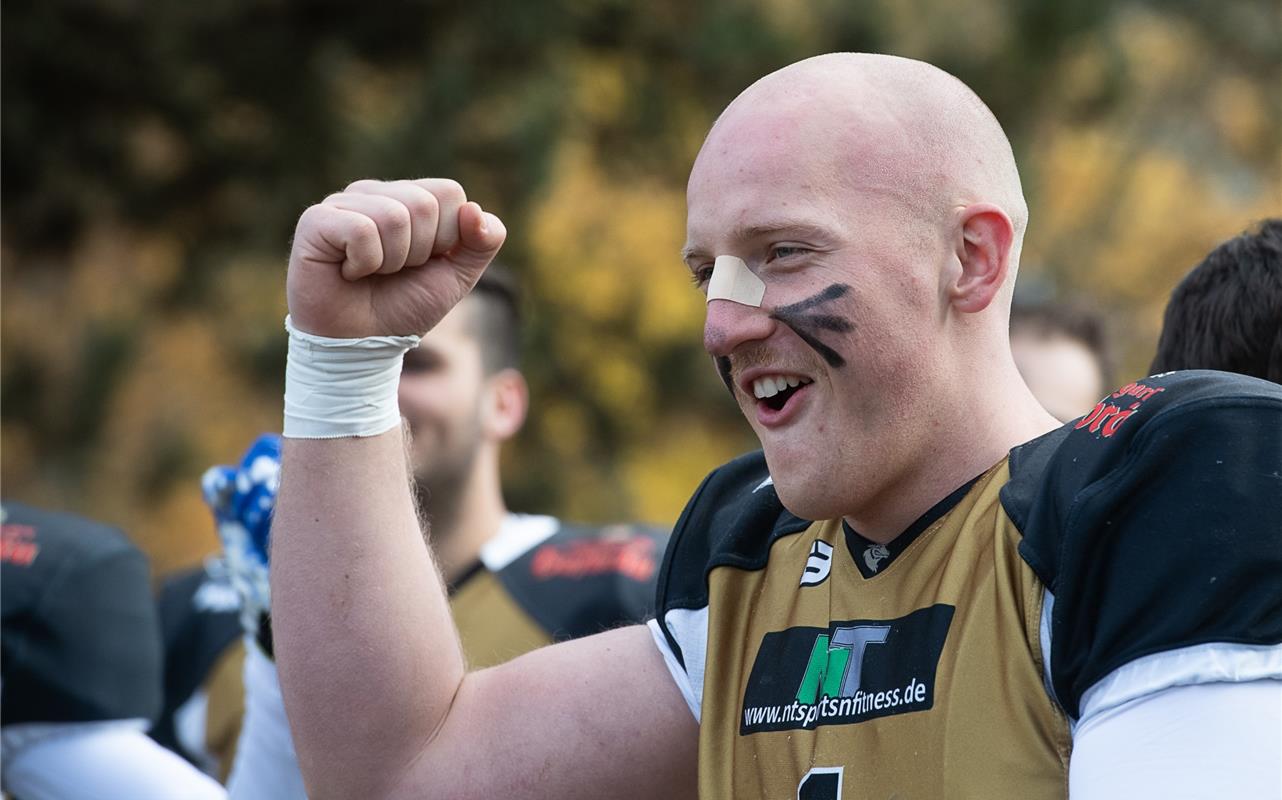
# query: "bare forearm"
(367, 652)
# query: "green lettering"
(824, 672)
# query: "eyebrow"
(746, 233)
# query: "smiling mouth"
(773, 391)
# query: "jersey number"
(821, 783)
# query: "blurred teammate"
(81, 666)
(1062, 352)
(516, 581)
(924, 587)
(204, 658)
(1227, 312)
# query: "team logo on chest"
(818, 565)
(849, 672)
(875, 554)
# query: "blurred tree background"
(156, 156)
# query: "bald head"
(877, 200)
(878, 123)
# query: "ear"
(983, 252)
(506, 401)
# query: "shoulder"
(64, 556)
(81, 634)
(732, 520)
(583, 579)
(1155, 522)
(1211, 429)
(64, 540)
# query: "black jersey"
(80, 638)
(1133, 550)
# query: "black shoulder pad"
(584, 580)
(1156, 521)
(81, 640)
(732, 520)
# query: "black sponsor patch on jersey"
(850, 672)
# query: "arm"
(370, 667)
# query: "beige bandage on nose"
(733, 281)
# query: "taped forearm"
(365, 646)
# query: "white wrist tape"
(342, 387)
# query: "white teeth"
(771, 385)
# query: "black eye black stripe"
(833, 358)
(829, 322)
(807, 325)
(831, 293)
(723, 369)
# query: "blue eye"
(784, 251)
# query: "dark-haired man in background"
(1226, 314)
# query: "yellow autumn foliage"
(140, 335)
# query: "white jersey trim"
(1214, 662)
(690, 629)
(1044, 637)
(518, 534)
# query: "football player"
(82, 666)
(925, 586)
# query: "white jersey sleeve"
(1191, 741)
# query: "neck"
(464, 521)
(979, 417)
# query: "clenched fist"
(387, 258)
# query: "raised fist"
(387, 258)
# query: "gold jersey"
(954, 660)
